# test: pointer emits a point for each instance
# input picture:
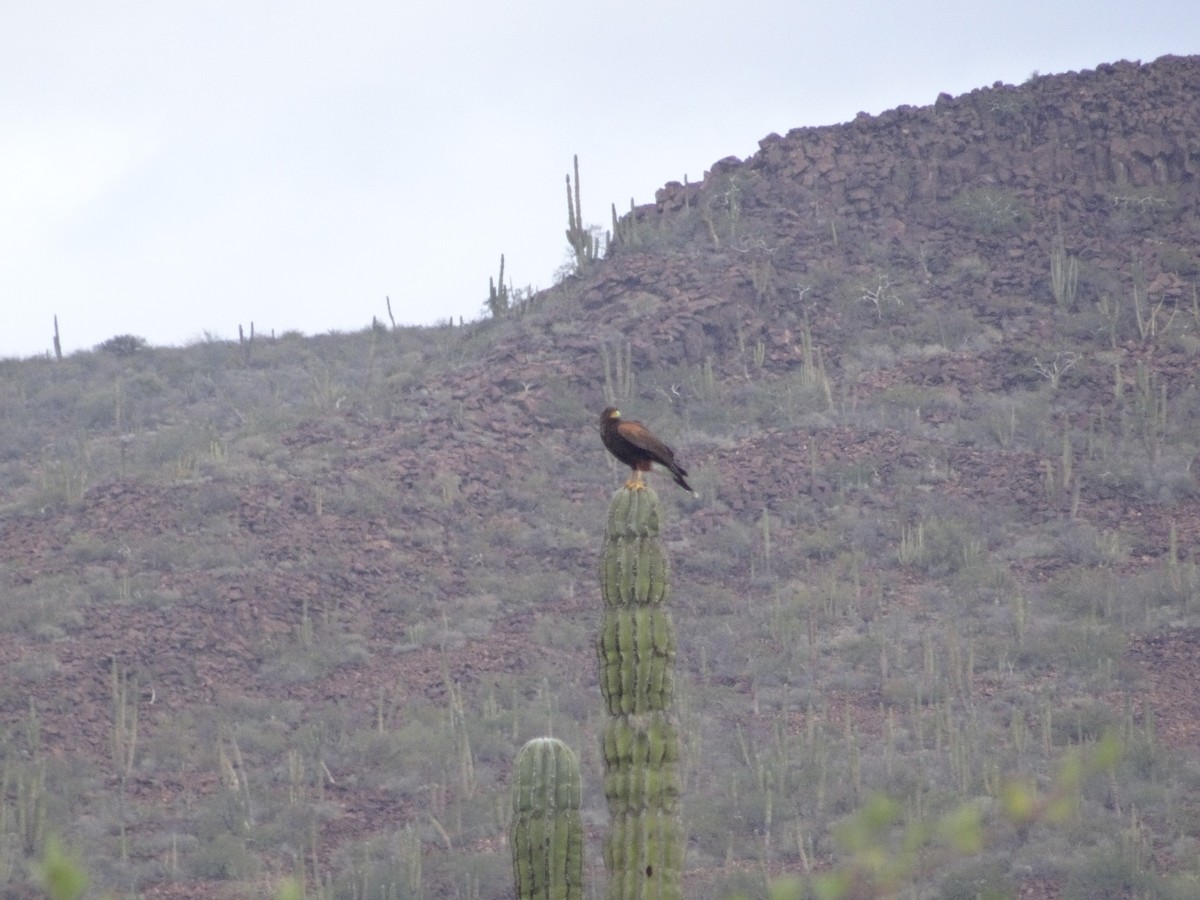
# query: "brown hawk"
(633, 444)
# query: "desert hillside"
(289, 607)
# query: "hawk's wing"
(639, 435)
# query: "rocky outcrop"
(962, 200)
(1124, 124)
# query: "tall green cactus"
(547, 832)
(585, 245)
(499, 299)
(643, 849)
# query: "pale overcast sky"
(173, 170)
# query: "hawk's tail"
(680, 475)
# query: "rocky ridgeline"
(962, 201)
(1076, 136)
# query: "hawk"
(633, 444)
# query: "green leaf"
(62, 876)
(832, 885)
(962, 829)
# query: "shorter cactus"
(547, 831)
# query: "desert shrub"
(1166, 585)
(407, 758)
(940, 547)
(1081, 647)
(87, 547)
(465, 873)
(1180, 260)
(388, 865)
(1084, 721)
(1136, 209)
(1113, 875)
(222, 855)
(968, 270)
(48, 608)
(313, 653)
(123, 345)
(1082, 544)
(984, 879)
(992, 210)
(35, 667)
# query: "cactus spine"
(636, 647)
(547, 832)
